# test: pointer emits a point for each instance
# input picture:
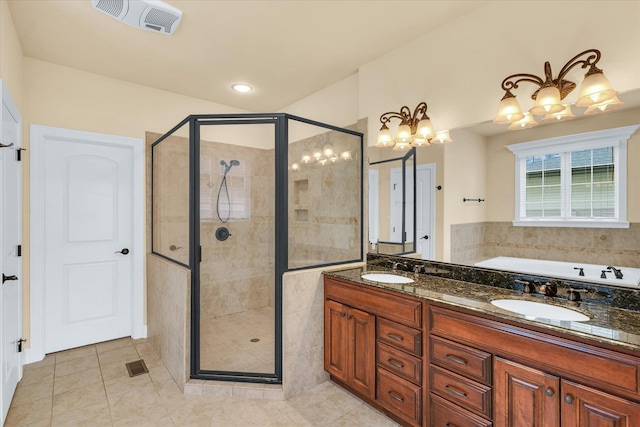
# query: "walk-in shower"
(235, 203)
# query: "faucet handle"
(418, 268)
(574, 294)
(550, 288)
(528, 287)
(581, 272)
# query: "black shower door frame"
(280, 239)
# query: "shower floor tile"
(228, 343)
(149, 401)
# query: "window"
(573, 181)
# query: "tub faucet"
(616, 272)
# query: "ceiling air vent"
(151, 15)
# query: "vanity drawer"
(367, 298)
(459, 358)
(401, 397)
(400, 336)
(467, 393)
(444, 413)
(400, 363)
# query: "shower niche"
(240, 200)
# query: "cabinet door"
(336, 339)
(362, 336)
(524, 396)
(585, 407)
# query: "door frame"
(38, 136)
(432, 204)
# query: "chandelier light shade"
(565, 114)
(415, 129)
(595, 92)
(508, 110)
(524, 123)
(608, 105)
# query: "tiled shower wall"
(614, 246)
(237, 274)
(324, 201)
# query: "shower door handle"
(123, 251)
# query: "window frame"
(564, 145)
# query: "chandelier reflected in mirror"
(415, 129)
(596, 94)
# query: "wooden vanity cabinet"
(538, 379)
(530, 397)
(373, 343)
(349, 346)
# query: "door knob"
(6, 278)
(123, 251)
(426, 236)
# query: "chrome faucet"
(617, 272)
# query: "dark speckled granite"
(614, 314)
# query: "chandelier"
(415, 130)
(596, 94)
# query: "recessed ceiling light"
(241, 87)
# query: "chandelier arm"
(420, 108)
(589, 61)
(507, 84)
(386, 117)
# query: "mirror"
(477, 165)
(392, 210)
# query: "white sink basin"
(386, 278)
(536, 310)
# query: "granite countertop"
(610, 325)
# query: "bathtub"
(564, 270)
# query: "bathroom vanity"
(436, 352)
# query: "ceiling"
(286, 50)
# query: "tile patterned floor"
(90, 386)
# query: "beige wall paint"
(465, 171)
(501, 165)
(457, 69)
(10, 56)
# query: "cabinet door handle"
(349, 317)
(568, 399)
(549, 392)
(455, 392)
(394, 396)
(455, 359)
(395, 363)
(394, 337)
(343, 314)
(450, 425)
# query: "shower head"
(230, 165)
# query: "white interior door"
(395, 195)
(425, 210)
(10, 260)
(87, 241)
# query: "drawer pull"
(395, 363)
(394, 337)
(455, 392)
(455, 359)
(394, 396)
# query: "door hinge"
(19, 153)
(20, 341)
(19, 250)
(200, 254)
